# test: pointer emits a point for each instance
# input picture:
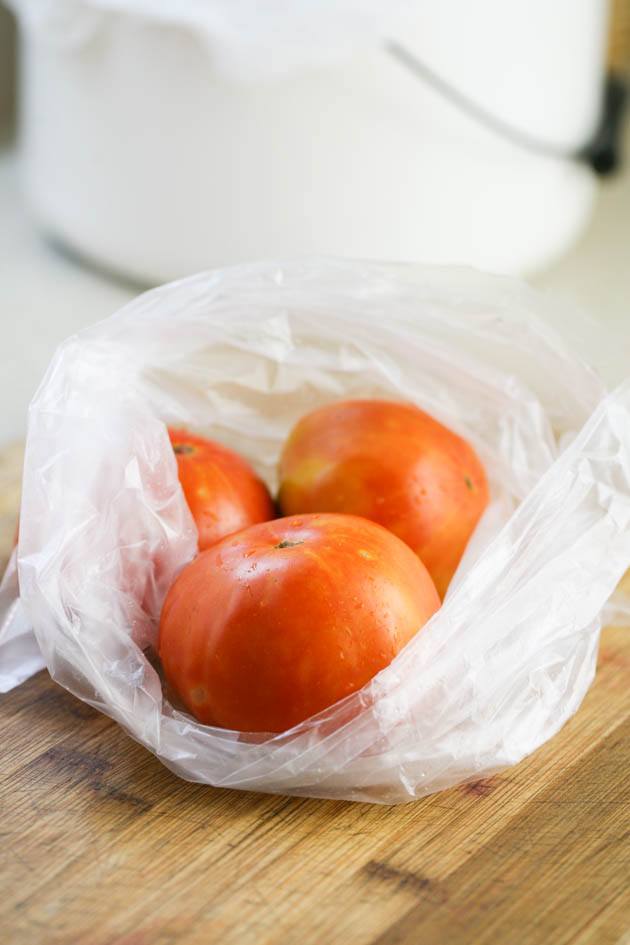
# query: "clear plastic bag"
(239, 355)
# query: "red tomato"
(222, 490)
(391, 463)
(281, 620)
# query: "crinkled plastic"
(245, 38)
(239, 355)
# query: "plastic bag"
(239, 355)
(246, 39)
(20, 657)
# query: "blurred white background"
(46, 293)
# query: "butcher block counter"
(101, 845)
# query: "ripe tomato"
(222, 490)
(281, 620)
(391, 463)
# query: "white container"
(151, 147)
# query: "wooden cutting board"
(101, 845)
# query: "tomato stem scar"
(468, 482)
(183, 448)
(288, 544)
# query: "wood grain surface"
(101, 845)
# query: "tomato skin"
(393, 464)
(222, 490)
(281, 620)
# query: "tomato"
(222, 490)
(391, 463)
(281, 620)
